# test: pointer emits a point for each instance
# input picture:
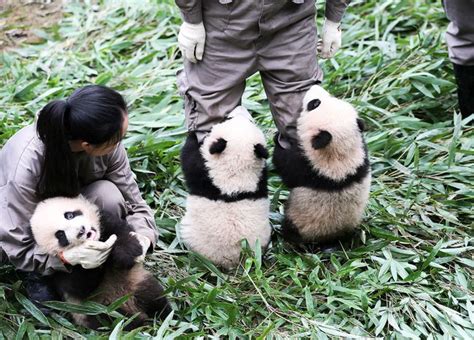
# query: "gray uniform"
(107, 180)
(460, 33)
(277, 38)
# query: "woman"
(73, 148)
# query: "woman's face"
(104, 149)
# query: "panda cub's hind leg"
(290, 232)
(148, 294)
(150, 298)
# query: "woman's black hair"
(94, 114)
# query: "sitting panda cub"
(328, 172)
(62, 223)
(227, 182)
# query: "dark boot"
(465, 80)
(38, 290)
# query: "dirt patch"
(20, 19)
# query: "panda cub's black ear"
(260, 151)
(361, 124)
(321, 140)
(313, 104)
(218, 146)
(62, 239)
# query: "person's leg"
(107, 197)
(460, 40)
(213, 87)
(288, 65)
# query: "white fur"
(318, 214)
(48, 218)
(215, 228)
(345, 152)
(236, 169)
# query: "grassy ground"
(411, 276)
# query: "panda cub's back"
(210, 226)
(337, 210)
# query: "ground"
(410, 272)
(22, 21)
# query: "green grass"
(412, 274)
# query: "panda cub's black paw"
(125, 251)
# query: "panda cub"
(328, 172)
(62, 223)
(227, 182)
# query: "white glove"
(90, 254)
(145, 243)
(191, 40)
(331, 41)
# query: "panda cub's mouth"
(89, 235)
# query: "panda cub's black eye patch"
(62, 238)
(69, 215)
(313, 104)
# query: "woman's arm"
(17, 203)
(140, 215)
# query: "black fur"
(218, 146)
(126, 248)
(39, 289)
(361, 125)
(321, 140)
(313, 104)
(296, 171)
(69, 215)
(79, 283)
(200, 184)
(151, 299)
(260, 151)
(62, 239)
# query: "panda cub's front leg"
(127, 247)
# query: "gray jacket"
(191, 10)
(21, 160)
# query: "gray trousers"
(277, 39)
(460, 33)
(105, 195)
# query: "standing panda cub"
(227, 182)
(62, 223)
(328, 172)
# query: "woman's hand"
(90, 254)
(332, 37)
(191, 41)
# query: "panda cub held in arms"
(226, 177)
(62, 223)
(328, 172)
